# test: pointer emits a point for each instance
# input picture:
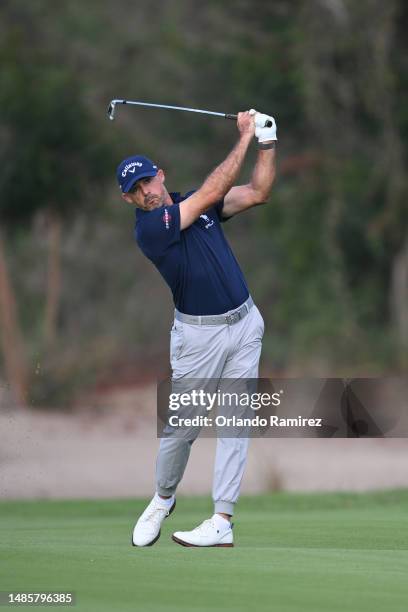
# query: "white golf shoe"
(147, 528)
(209, 533)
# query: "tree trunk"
(399, 296)
(11, 337)
(53, 279)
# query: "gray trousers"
(211, 352)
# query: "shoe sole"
(158, 535)
(182, 543)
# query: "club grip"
(268, 123)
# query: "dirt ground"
(107, 448)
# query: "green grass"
(293, 552)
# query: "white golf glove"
(263, 133)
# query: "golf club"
(113, 103)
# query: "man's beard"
(153, 201)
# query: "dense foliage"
(326, 259)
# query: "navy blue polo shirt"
(197, 263)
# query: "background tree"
(53, 163)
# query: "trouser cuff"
(165, 492)
(224, 507)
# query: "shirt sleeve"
(218, 209)
(218, 206)
(158, 230)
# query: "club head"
(111, 110)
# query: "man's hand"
(264, 134)
(246, 124)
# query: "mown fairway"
(293, 552)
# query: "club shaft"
(167, 106)
(112, 106)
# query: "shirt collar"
(175, 196)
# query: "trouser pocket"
(176, 340)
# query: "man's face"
(148, 192)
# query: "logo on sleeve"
(208, 222)
(166, 218)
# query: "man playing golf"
(217, 331)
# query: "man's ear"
(127, 198)
(161, 175)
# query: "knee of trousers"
(171, 463)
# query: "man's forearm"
(264, 172)
(220, 181)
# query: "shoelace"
(155, 510)
(204, 525)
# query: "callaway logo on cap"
(132, 169)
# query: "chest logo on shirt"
(208, 222)
(166, 218)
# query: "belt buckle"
(234, 317)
